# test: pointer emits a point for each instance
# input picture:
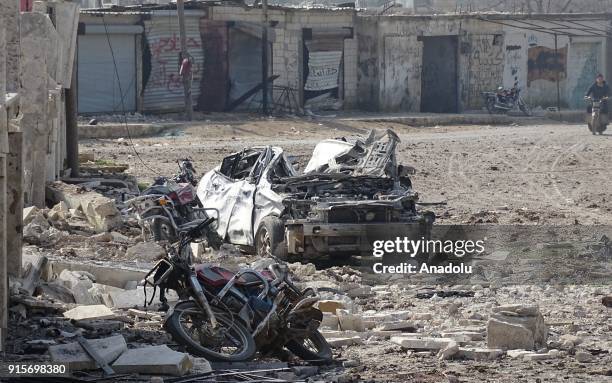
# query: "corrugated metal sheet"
(163, 89)
(97, 81)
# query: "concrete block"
(153, 360)
(330, 306)
(348, 321)
(422, 344)
(89, 312)
(77, 358)
(329, 321)
(398, 325)
(464, 336)
(516, 327)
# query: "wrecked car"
(351, 192)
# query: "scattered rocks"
(583, 356)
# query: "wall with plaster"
(530, 60)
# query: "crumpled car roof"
(371, 155)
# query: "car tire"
(270, 238)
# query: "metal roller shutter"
(98, 86)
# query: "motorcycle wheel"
(189, 326)
(162, 230)
(524, 108)
(313, 348)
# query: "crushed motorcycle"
(226, 316)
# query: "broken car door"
(240, 228)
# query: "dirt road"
(520, 174)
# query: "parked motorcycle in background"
(505, 100)
(597, 121)
(169, 203)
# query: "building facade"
(336, 58)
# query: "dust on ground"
(519, 174)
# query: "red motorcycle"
(217, 306)
(169, 203)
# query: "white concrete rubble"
(77, 358)
(153, 360)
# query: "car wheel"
(270, 238)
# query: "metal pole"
(180, 7)
(72, 132)
(557, 75)
(264, 57)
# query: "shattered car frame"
(351, 193)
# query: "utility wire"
(123, 112)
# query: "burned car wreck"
(352, 192)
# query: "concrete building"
(442, 63)
(313, 58)
(36, 65)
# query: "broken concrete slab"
(406, 326)
(77, 358)
(464, 336)
(534, 357)
(79, 282)
(89, 312)
(422, 344)
(153, 360)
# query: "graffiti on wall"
(515, 59)
(165, 62)
(486, 58)
(162, 84)
(543, 64)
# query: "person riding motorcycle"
(597, 91)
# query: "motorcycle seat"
(218, 276)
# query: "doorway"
(439, 75)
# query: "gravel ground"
(528, 173)
(521, 174)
